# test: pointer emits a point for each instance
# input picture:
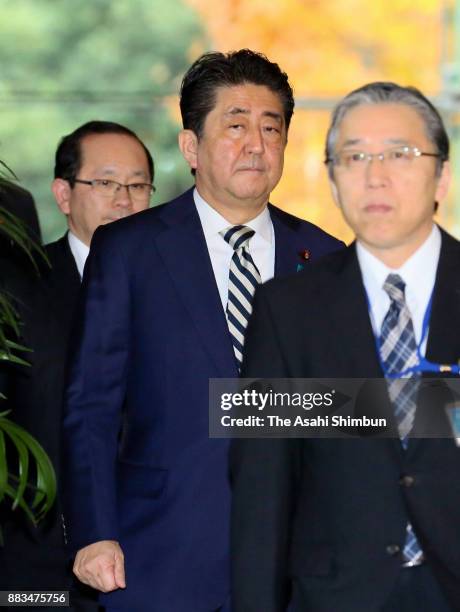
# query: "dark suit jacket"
(37, 558)
(140, 465)
(20, 202)
(323, 517)
(46, 304)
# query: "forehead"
(247, 96)
(382, 123)
(111, 149)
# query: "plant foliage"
(27, 476)
(33, 488)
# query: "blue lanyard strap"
(423, 365)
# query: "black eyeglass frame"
(95, 182)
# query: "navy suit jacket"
(141, 468)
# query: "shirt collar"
(213, 222)
(79, 250)
(418, 272)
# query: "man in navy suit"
(148, 499)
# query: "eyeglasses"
(108, 189)
(395, 158)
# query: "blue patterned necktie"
(398, 351)
(242, 282)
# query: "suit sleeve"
(98, 363)
(264, 474)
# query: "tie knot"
(237, 235)
(394, 286)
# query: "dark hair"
(68, 154)
(214, 70)
(390, 93)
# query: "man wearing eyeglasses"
(360, 525)
(103, 172)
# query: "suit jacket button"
(393, 549)
(407, 481)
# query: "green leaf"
(8, 314)
(13, 358)
(23, 459)
(44, 486)
(22, 504)
(8, 318)
(2, 163)
(18, 347)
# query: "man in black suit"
(103, 172)
(360, 525)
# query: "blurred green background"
(65, 62)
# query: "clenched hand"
(101, 565)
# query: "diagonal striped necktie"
(398, 351)
(242, 282)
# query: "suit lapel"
(63, 280)
(286, 249)
(182, 247)
(444, 332)
(64, 269)
(349, 313)
(347, 304)
(443, 345)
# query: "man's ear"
(188, 144)
(443, 182)
(62, 193)
(334, 191)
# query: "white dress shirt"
(419, 274)
(79, 251)
(261, 245)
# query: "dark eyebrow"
(237, 110)
(273, 115)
